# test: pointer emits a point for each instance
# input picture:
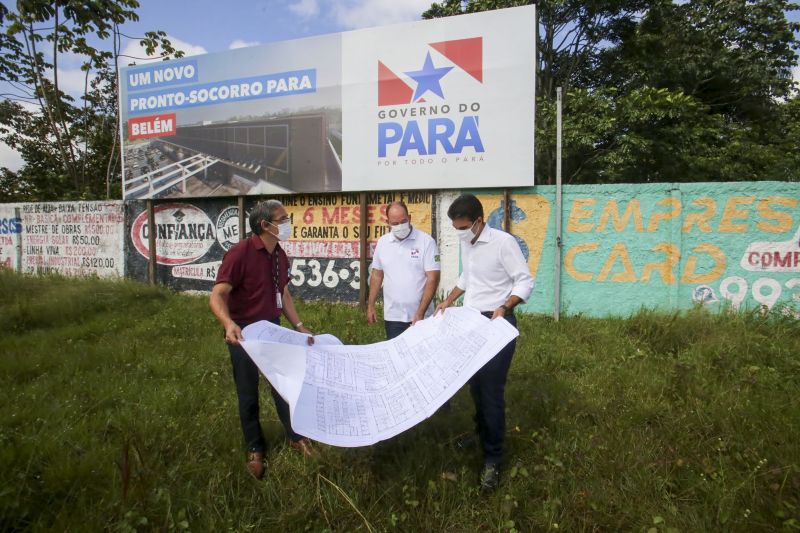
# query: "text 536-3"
(327, 272)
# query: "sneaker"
(255, 464)
(490, 478)
(304, 447)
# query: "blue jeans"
(394, 329)
(246, 376)
(487, 388)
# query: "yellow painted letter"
(703, 217)
(656, 218)
(610, 211)
(730, 213)
(690, 274)
(783, 220)
(627, 274)
(569, 260)
(673, 255)
(578, 212)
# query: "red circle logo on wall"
(184, 234)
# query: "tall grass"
(118, 412)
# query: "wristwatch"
(298, 324)
(506, 308)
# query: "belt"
(490, 314)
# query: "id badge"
(278, 300)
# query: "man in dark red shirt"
(253, 284)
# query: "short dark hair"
(465, 206)
(399, 203)
(263, 211)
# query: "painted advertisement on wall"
(71, 238)
(667, 246)
(530, 218)
(324, 259)
(625, 247)
(190, 238)
(426, 105)
(324, 250)
(10, 236)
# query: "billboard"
(439, 104)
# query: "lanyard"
(276, 283)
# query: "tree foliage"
(700, 90)
(664, 91)
(70, 146)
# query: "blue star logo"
(428, 79)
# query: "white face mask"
(466, 235)
(401, 231)
(284, 230)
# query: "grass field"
(118, 412)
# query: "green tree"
(717, 77)
(571, 36)
(571, 33)
(735, 56)
(70, 149)
(660, 91)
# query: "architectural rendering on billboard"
(440, 104)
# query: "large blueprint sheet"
(269, 332)
(359, 395)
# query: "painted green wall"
(666, 246)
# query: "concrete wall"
(10, 235)
(625, 247)
(68, 238)
(193, 236)
(665, 246)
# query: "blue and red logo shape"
(466, 54)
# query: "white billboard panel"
(447, 103)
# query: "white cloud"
(71, 81)
(134, 49)
(69, 60)
(239, 43)
(351, 14)
(30, 106)
(305, 8)
(10, 158)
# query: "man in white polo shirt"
(494, 278)
(406, 263)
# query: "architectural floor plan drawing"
(348, 395)
(269, 332)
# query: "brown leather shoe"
(304, 447)
(255, 464)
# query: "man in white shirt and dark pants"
(495, 278)
(406, 263)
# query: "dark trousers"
(487, 388)
(394, 329)
(246, 377)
